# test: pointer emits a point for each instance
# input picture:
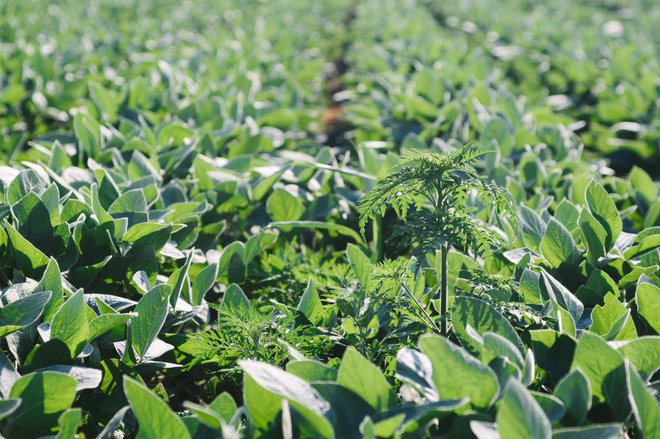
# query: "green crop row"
(281, 219)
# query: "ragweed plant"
(429, 191)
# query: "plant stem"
(429, 320)
(377, 239)
(443, 291)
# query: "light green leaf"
(557, 245)
(574, 390)
(520, 416)
(282, 206)
(482, 317)
(648, 305)
(44, 395)
(360, 263)
(366, 380)
(644, 354)
(155, 419)
(310, 304)
(533, 228)
(70, 324)
(603, 366)
(22, 312)
(602, 207)
(30, 259)
(203, 283)
(594, 235)
(235, 297)
(457, 374)
(644, 405)
(152, 311)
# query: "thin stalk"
(377, 239)
(429, 320)
(443, 291)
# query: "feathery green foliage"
(430, 191)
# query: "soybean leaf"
(456, 374)
(520, 416)
(70, 324)
(557, 245)
(645, 407)
(602, 208)
(155, 419)
(357, 374)
(310, 304)
(44, 395)
(22, 312)
(152, 311)
(575, 392)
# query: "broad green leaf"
(30, 259)
(554, 291)
(155, 419)
(533, 228)
(575, 392)
(645, 406)
(552, 406)
(264, 388)
(44, 395)
(52, 281)
(553, 351)
(224, 406)
(30, 213)
(310, 304)
(557, 245)
(612, 320)
(497, 346)
(594, 235)
(179, 279)
(482, 317)
(282, 206)
(131, 205)
(105, 322)
(643, 353)
(203, 283)
(602, 208)
(232, 265)
(152, 311)
(603, 366)
(415, 369)
(457, 374)
(22, 312)
(360, 263)
(235, 297)
(70, 324)
(366, 380)
(206, 415)
(646, 191)
(312, 370)
(520, 416)
(648, 305)
(69, 422)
